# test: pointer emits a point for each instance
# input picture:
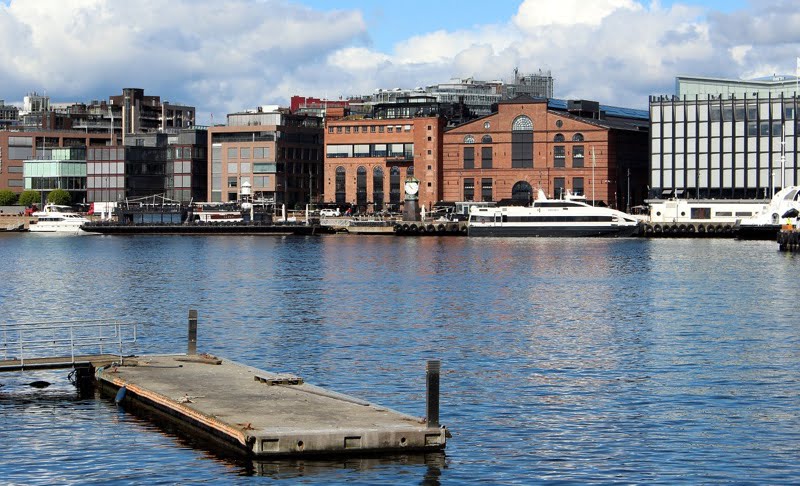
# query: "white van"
(329, 213)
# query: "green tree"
(7, 197)
(60, 197)
(28, 198)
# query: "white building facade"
(725, 147)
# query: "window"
(486, 139)
(577, 156)
(394, 185)
(372, 129)
(330, 129)
(389, 129)
(341, 196)
(469, 139)
(232, 181)
(469, 189)
(347, 129)
(486, 189)
(233, 152)
(469, 157)
(338, 129)
(522, 142)
(559, 156)
(578, 137)
(380, 129)
(410, 171)
(522, 192)
(361, 187)
(577, 186)
(244, 153)
(364, 129)
(558, 187)
(486, 157)
(558, 138)
(752, 129)
(377, 188)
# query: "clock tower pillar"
(411, 207)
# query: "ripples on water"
(571, 360)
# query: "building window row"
(245, 153)
(353, 129)
(395, 150)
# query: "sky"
(223, 57)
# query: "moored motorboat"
(570, 216)
(57, 219)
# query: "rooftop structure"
(702, 87)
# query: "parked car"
(329, 213)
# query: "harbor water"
(563, 360)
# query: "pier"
(253, 412)
(789, 240)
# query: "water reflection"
(570, 360)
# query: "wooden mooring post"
(192, 348)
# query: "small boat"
(782, 212)
(56, 219)
(570, 216)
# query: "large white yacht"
(570, 216)
(782, 210)
(58, 220)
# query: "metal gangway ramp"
(64, 344)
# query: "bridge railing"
(65, 339)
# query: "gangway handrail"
(92, 336)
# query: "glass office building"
(725, 147)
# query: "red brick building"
(367, 160)
(530, 144)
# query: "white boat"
(570, 216)
(782, 211)
(57, 220)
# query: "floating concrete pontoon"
(267, 414)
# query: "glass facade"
(723, 147)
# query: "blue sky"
(390, 22)
(238, 54)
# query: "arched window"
(522, 142)
(377, 188)
(522, 124)
(522, 191)
(341, 195)
(486, 139)
(394, 186)
(469, 139)
(578, 137)
(361, 188)
(559, 137)
(410, 171)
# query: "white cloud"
(533, 14)
(234, 55)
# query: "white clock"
(412, 187)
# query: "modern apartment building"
(278, 153)
(553, 145)
(63, 168)
(478, 96)
(173, 165)
(18, 146)
(9, 115)
(723, 146)
(129, 113)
